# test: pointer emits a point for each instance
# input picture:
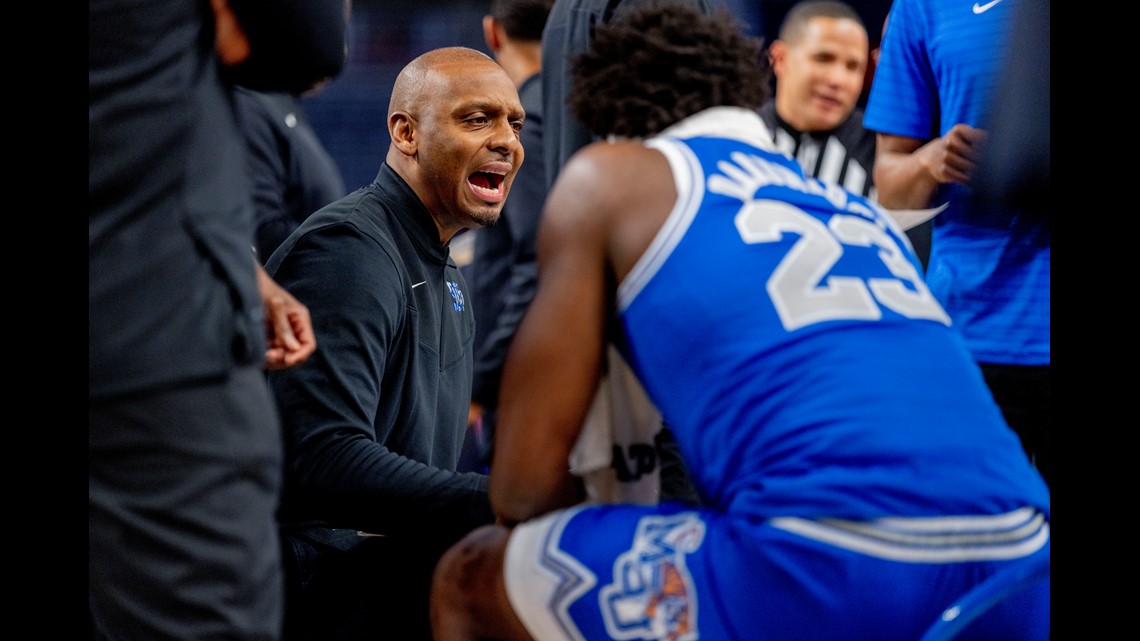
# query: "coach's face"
(468, 150)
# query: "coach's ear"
(402, 129)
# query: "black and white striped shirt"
(844, 155)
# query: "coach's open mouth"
(487, 183)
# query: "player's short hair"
(655, 64)
(522, 19)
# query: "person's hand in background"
(288, 326)
(954, 156)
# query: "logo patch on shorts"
(652, 596)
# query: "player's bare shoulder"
(617, 174)
(616, 192)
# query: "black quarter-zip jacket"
(375, 420)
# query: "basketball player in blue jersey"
(856, 476)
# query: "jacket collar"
(407, 208)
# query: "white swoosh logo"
(982, 8)
(422, 282)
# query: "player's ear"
(402, 129)
(491, 34)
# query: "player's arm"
(901, 180)
(552, 367)
(908, 171)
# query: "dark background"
(349, 113)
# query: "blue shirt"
(939, 66)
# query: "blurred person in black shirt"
(184, 444)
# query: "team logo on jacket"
(456, 296)
(652, 596)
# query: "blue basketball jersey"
(782, 327)
(940, 65)
(857, 478)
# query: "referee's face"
(820, 73)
